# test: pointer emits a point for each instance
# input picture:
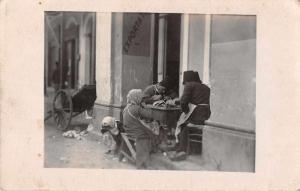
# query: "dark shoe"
(171, 154)
(142, 167)
(179, 156)
(109, 152)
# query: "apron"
(183, 119)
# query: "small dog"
(114, 128)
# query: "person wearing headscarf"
(195, 105)
(157, 91)
(132, 115)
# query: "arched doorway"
(70, 56)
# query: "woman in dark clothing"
(198, 94)
(132, 115)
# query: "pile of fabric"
(166, 103)
(75, 134)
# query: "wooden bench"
(127, 148)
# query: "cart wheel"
(62, 110)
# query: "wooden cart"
(67, 105)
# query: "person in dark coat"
(157, 91)
(197, 93)
(132, 115)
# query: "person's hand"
(170, 102)
(167, 97)
(176, 99)
(156, 97)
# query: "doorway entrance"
(70, 66)
(168, 36)
(70, 61)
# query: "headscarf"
(134, 96)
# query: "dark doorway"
(70, 61)
(51, 64)
(167, 51)
(70, 64)
(173, 47)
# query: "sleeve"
(145, 113)
(148, 100)
(148, 93)
(186, 98)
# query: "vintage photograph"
(152, 91)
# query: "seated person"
(113, 127)
(157, 91)
(132, 115)
(195, 95)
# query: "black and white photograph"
(149, 95)
(150, 91)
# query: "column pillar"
(207, 49)
(81, 78)
(184, 45)
(103, 58)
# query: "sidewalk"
(159, 161)
(162, 162)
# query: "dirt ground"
(90, 152)
(62, 152)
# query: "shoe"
(109, 152)
(179, 156)
(171, 154)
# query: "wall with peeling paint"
(136, 66)
(118, 70)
